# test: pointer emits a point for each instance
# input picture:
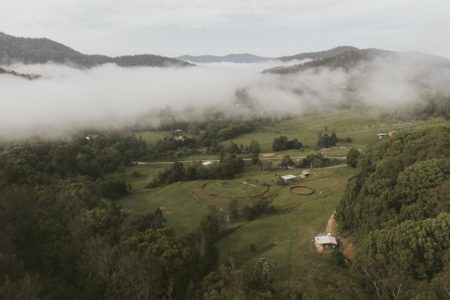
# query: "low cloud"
(67, 99)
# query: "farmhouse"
(288, 178)
(326, 241)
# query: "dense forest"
(398, 209)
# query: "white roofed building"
(325, 241)
(288, 178)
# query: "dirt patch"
(301, 190)
(332, 226)
(267, 154)
(347, 247)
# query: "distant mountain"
(233, 58)
(42, 50)
(348, 57)
(320, 54)
(14, 73)
(345, 59)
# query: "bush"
(352, 157)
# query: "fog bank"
(68, 99)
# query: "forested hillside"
(41, 50)
(398, 208)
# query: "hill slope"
(320, 54)
(347, 58)
(24, 76)
(42, 50)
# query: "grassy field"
(286, 236)
(361, 127)
(152, 136)
(233, 188)
(181, 208)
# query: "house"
(382, 135)
(179, 138)
(288, 178)
(326, 241)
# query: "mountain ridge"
(43, 50)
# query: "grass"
(361, 127)
(181, 208)
(151, 137)
(233, 188)
(287, 236)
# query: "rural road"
(217, 160)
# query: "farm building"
(382, 135)
(288, 178)
(304, 174)
(326, 241)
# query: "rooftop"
(288, 177)
(325, 239)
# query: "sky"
(269, 28)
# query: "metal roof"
(325, 239)
(288, 177)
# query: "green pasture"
(234, 188)
(361, 127)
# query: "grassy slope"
(290, 231)
(181, 209)
(361, 127)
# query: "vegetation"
(326, 141)
(399, 205)
(282, 143)
(77, 221)
(352, 157)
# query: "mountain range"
(41, 50)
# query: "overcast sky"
(264, 27)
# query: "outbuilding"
(326, 241)
(289, 178)
(382, 135)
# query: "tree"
(286, 162)
(352, 157)
(279, 143)
(233, 209)
(261, 277)
(327, 141)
